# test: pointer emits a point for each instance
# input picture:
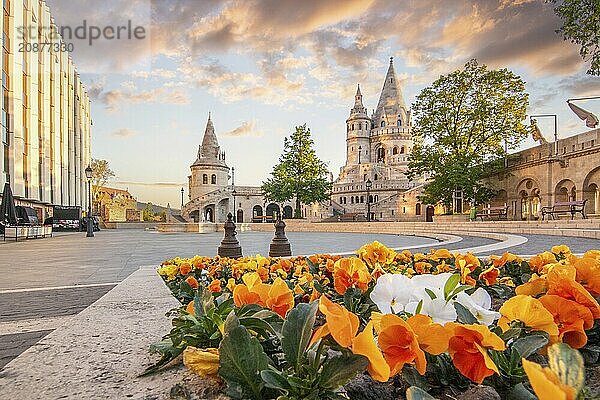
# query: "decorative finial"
(391, 60)
(209, 115)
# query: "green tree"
(147, 213)
(300, 174)
(463, 123)
(101, 174)
(581, 25)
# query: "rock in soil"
(480, 393)
(364, 388)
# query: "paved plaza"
(45, 282)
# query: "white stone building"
(377, 150)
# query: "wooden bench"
(565, 207)
(500, 212)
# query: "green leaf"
(276, 380)
(231, 322)
(297, 331)
(241, 361)
(520, 392)
(567, 364)
(419, 307)
(430, 293)
(528, 345)
(203, 302)
(451, 284)
(416, 393)
(464, 315)
(339, 370)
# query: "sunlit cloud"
(247, 128)
(124, 133)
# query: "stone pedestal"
(280, 245)
(230, 246)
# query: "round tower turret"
(358, 128)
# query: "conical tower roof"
(358, 109)
(391, 100)
(209, 152)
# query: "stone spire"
(391, 101)
(209, 152)
(358, 104)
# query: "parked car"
(27, 216)
(95, 223)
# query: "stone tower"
(358, 128)
(209, 171)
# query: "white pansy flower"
(479, 304)
(392, 292)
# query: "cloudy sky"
(263, 67)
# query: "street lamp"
(591, 121)
(234, 211)
(90, 223)
(330, 188)
(369, 184)
(538, 133)
(182, 199)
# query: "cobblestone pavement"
(55, 267)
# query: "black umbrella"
(8, 212)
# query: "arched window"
(399, 122)
(402, 150)
(382, 124)
(365, 177)
(352, 126)
(204, 179)
(418, 209)
(362, 199)
(351, 199)
(357, 199)
(359, 126)
(395, 150)
(376, 198)
(376, 177)
(213, 179)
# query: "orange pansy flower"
(399, 345)
(537, 285)
(192, 282)
(252, 291)
(546, 384)
(364, 344)
(190, 308)
(468, 346)
(490, 275)
(528, 310)
(340, 323)
(350, 272)
(571, 290)
(538, 262)
(588, 274)
(376, 254)
(280, 297)
(185, 269)
(215, 286)
(571, 318)
(433, 338)
(470, 261)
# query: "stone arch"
(395, 150)
(418, 209)
(257, 211)
(209, 213)
(213, 179)
(402, 150)
(205, 179)
(382, 124)
(195, 215)
(591, 187)
(272, 211)
(288, 212)
(239, 215)
(381, 154)
(565, 190)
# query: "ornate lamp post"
(369, 185)
(182, 198)
(90, 223)
(234, 193)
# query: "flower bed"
(420, 325)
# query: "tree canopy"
(300, 174)
(101, 174)
(581, 25)
(464, 123)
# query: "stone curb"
(102, 350)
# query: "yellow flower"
(376, 254)
(204, 362)
(364, 344)
(561, 249)
(530, 311)
(546, 384)
(169, 270)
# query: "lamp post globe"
(368, 185)
(90, 223)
